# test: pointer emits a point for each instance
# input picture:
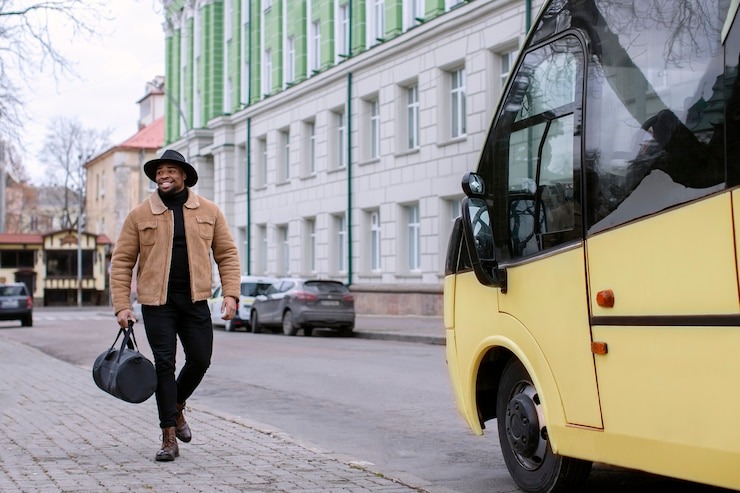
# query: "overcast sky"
(113, 72)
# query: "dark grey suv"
(16, 303)
(295, 304)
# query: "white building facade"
(337, 166)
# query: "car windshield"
(325, 287)
(11, 291)
(254, 288)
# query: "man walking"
(172, 235)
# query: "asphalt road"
(380, 401)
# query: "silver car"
(295, 304)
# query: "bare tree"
(67, 148)
(27, 48)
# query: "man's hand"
(124, 316)
(228, 308)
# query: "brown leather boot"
(181, 426)
(169, 449)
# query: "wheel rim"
(526, 435)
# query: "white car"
(251, 286)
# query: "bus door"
(660, 248)
(532, 160)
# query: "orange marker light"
(605, 298)
(599, 348)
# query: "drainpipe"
(249, 196)
(528, 14)
(249, 145)
(349, 178)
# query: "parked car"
(304, 304)
(16, 303)
(251, 286)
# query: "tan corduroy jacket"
(147, 236)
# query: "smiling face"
(170, 178)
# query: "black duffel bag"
(124, 372)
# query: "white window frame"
(341, 245)
(458, 123)
(261, 161)
(266, 72)
(412, 117)
(338, 138)
(262, 248)
(290, 61)
(375, 14)
(315, 47)
(374, 129)
(413, 10)
(341, 35)
(244, 67)
(284, 155)
(413, 237)
(309, 154)
(283, 240)
(309, 245)
(375, 241)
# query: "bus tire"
(523, 436)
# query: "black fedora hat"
(174, 157)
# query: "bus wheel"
(522, 433)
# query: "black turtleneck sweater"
(179, 270)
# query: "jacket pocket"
(147, 232)
(206, 226)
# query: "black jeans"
(191, 322)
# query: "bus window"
(653, 113)
(535, 152)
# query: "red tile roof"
(21, 238)
(149, 137)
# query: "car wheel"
(308, 331)
(347, 330)
(289, 328)
(27, 321)
(524, 442)
(254, 323)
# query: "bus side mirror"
(478, 233)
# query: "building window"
(244, 75)
(315, 51)
(457, 103)
(309, 245)
(375, 241)
(284, 254)
(267, 73)
(242, 245)
(309, 155)
(507, 63)
(338, 141)
(412, 116)
(262, 246)
(284, 168)
(340, 228)
(13, 259)
(374, 129)
(413, 238)
(261, 162)
(241, 168)
(290, 61)
(413, 13)
(375, 21)
(342, 33)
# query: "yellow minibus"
(591, 299)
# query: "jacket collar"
(158, 207)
